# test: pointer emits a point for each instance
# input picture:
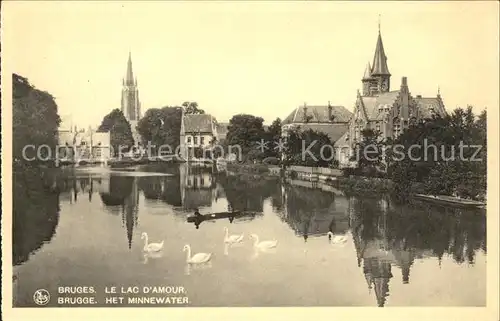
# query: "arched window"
(396, 127)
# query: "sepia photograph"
(249, 154)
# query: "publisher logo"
(41, 297)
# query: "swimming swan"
(232, 238)
(151, 247)
(337, 239)
(198, 257)
(263, 244)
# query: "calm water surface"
(88, 233)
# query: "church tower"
(376, 79)
(131, 106)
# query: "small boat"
(450, 201)
(214, 216)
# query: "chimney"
(403, 82)
(305, 112)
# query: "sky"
(262, 58)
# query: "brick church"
(131, 106)
(382, 109)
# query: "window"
(189, 139)
(202, 140)
(195, 140)
(377, 128)
(396, 123)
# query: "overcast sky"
(263, 58)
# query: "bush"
(271, 161)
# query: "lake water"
(85, 230)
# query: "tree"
(161, 126)
(273, 137)
(369, 153)
(443, 163)
(120, 131)
(35, 121)
(308, 148)
(245, 131)
(192, 108)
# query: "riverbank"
(362, 185)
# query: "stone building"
(329, 119)
(85, 145)
(384, 110)
(199, 131)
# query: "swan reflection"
(257, 251)
(228, 246)
(197, 267)
(152, 255)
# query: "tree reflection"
(120, 187)
(312, 212)
(123, 192)
(245, 194)
(386, 235)
(35, 211)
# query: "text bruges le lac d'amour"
(125, 295)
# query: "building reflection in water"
(313, 212)
(386, 236)
(119, 195)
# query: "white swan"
(337, 239)
(198, 257)
(263, 244)
(151, 247)
(232, 238)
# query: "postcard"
(304, 159)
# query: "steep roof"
(372, 104)
(379, 66)
(426, 104)
(202, 123)
(368, 72)
(333, 130)
(318, 114)
(129, 80)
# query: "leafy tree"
(273, 137)
(35, 121)
(308, 148)
(245, 131)
(369, 153)
(443, 162)
(120, 131)
(192, 108)
(161, 126)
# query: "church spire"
(368, 72)
(130, 75)
(380, 59)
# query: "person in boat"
(197, 213)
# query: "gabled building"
(198, 132)
(88, 145)
(329, 119)
(384, 110)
